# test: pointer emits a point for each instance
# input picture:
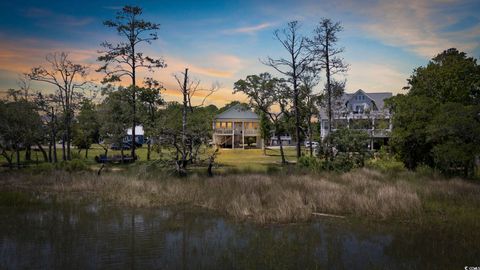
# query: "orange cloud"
(20, 56)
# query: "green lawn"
(227, 159)
(253, 159)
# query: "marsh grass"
(263, 198)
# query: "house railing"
(224, 131)
(229, 131)
(373, 133)
(251, 131)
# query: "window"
(359, 108)
(229, 124)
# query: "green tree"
(411, 115)
(150, 99)
(437, 123)
(450, 76)
(270, 96)
(87, 128)
(21, 125)
(454, 133)
(114, 117)
(265, 129)
(351, 147)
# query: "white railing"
(251, 132)
(229, 131)
(223, 131)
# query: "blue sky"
(222, 41)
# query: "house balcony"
(375, 133)
(229, 131)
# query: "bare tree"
(326, 52)
(123, 59)
(69, 78)
(292, 67)
(191, 139)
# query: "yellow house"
(236, 127)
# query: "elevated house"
(237, 127)
(361, 111)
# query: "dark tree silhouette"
(124, 58)
(70, 79)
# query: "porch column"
(243, 134)
(233, 135)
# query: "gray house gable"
(348, 101)
(237, 112)
(375, 101)
(360, 98)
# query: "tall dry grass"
(258, 197)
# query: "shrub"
(341, 163)
(73, 165)
(424, 170)
(309, 162)
(42, 167)
(387, 165)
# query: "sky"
(224, 41)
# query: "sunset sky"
(222, 41)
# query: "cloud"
(417, 25)
(249, 29)
(375, 77)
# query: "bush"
(387, 165)
(424, 170)
(73, 165)
(309, 162)
(341, 163)
(41, 168)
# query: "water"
(105, 237)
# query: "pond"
(96, 236)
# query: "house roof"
(238, 112)
(378, 98)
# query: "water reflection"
(96, 236)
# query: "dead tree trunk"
(282, 154)
(184, 119)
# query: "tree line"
(436, 123)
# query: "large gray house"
(237, 127)
(361, 110)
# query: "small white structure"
(235, 127)
(139, 135)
